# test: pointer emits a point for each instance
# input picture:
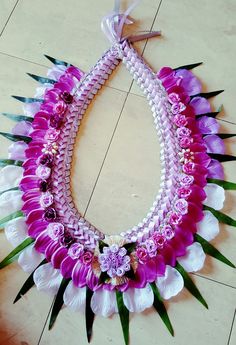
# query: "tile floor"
(113, 180)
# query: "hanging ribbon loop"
(112, 25)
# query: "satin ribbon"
(113, 23)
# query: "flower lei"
(65, 254)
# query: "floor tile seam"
(8, 18)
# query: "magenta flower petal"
(195, 212)
(208, 125)
(169, 255)
(165, 72)
(214, 144)
(42, 242)
(200, 105)
(76, 72)
(31, 205)
(215, 170)
(140, 278)
(91, 279)
(34, 215)
(189, 83)
(79, 274)
(36, 228)
(59, 255)
(51, 248)
(67, 266)
(178, 245)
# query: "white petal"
(103, 302)
(215, 196)
(137, 300)
(10, 202)
(170, 284)
(10, 176)
(194, 258)
(40, 91)
(30, 109)
(56, 72)
(47, 279)
(29, 259)
(208, 228)
(16, 231)
(74, 298)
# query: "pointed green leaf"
(14, 137)
(58, 302)
(28, 284)
(130, 247)
(207, 94)
(11, 216)
(223, 218)
(41, 80)
(57, 62)
(191, 66)
(212, 251)
(190, 286)
(16, 252)
(102, 245)
(28, 99)
(212, 114)
(9, 190)
(225, 184)
(124, 316)
(18, 118)
(222, 157)
(161, 309)
(89, 315)
(4, 162)
(223, 135)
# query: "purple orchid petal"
(76, 72)
(215, 170)
(168, 254)
(59, 255)
(214, 144)
(42, 242)
(36, 228)
(189, 82)
(178, 245)
(165, 72)
(29, 182)
(200, 105)
(30, 194)
(67, 266)
(17, 150)
(208, 125)
(195, 212)
(202, 158)
(140, 278)
(31, 205)
(92, 280)
(51, 249)
(22, 128)
(34, 215)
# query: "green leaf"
(58, 302)
(223, 135)
(9, 190)
(124, 316)
(4, 162)
(223, 218)
(18, 118)
(57, 62)
(28, 99)
(222, 157)
(16, 252)
(129, 247)
(191, 66)
(225, 184)
(102, 245)
(28, 284)
(190, 286)
(212, 251)
(41, 80)
(103, 277)
(14, 137)
(161, 309)
(11, 216)
(89, 315)
(130, 274)
(207, 94)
